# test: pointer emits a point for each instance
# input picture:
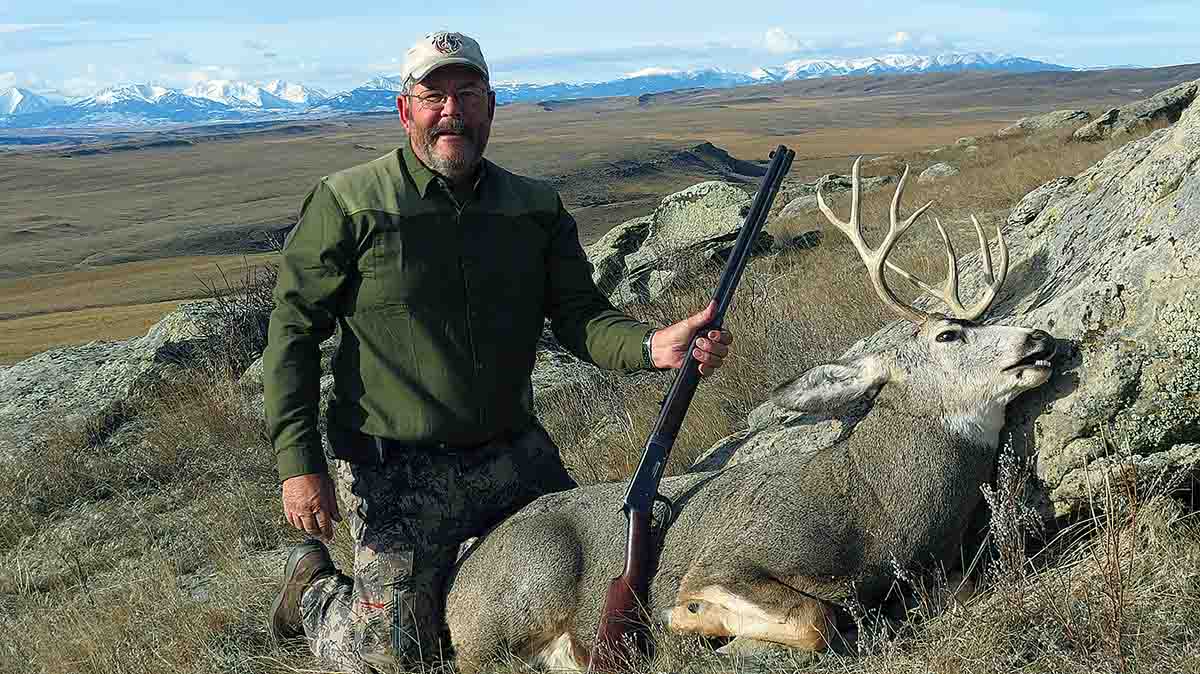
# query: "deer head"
(951, 366)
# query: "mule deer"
(767, 549)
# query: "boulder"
(1108, 264)
(803, 198)
(607, 254)
(966, 141)
(1046, 122)
(1032, 204)
(694, 226)
(68, 385)
(937, 172)
(1165, 106)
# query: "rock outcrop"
(608, 253)
(693, 226)
(1032, 204)
(63, 386)
(937, 172)
(1108, 263)
(1047, 122)
(1164, 107)
(804, 197)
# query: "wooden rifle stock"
(621, 622)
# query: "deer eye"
(947, 336)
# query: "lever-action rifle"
(620, 622)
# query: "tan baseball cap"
(441, 49)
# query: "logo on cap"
(446, 43)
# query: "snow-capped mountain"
(384, 83)
(295, 93)
(130, 105)
(362, 99)
(237, 94)
(645, 81)
(18, 101)
(126, 93)
(138, 104)
(900, 64)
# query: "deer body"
(766, 550)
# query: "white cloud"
(210, 73)
(652, 70)
(779, 41)
(900, 38)
(81, 86)
(25, 80)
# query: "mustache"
(454, 126)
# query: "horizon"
(79, 47)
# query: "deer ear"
(829, 387)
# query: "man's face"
(448, 118)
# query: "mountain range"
(227, 100)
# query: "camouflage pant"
(408, 517)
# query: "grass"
(150, 539)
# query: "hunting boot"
(308, 562)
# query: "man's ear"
(491, 105)
(402, 107)
(830, 387)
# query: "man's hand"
(310, 504)
(669, 346)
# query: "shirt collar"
(422, 176)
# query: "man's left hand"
(669, 346)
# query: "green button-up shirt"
(440, 303)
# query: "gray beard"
(459, 168)
(454, 169)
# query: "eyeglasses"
(436, 100)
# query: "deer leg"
(768, 611)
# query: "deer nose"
(1042, 338)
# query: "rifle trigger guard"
(672, 512)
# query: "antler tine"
(949, 293)
(950, 287)
(895, 212)
(994, 281)
(874, 259)
(855, 196)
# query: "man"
(439, 267)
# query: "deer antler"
(876, 259)
(949, 291)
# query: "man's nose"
(452, 107)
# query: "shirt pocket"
(389, 280)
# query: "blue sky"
(75, 47)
